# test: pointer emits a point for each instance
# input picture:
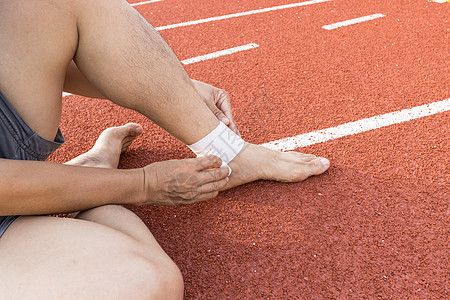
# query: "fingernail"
(224, 120)
(325, 162)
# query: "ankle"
(252, 162)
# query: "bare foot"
(256, 162)
(108, 147)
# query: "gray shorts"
(18, 141)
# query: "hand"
(218, 101)
(178, 182)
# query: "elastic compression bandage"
(221, 142)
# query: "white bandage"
(221, 142)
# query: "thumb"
(218, 113)
(221, 116)
(207, 162)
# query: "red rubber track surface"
(376, 225)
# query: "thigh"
(38, 40)
(124, 221)
(55, 258)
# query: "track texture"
(376, 225)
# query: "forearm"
(77, 83)
(29, 187)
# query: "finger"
(233, 127)
(220, 115)
(207, 162)
(206, 196)
(193, 199)
(227, 119)
(228, 116)
(214, 186)
(213, 175)
(224, 105)
(225, 108)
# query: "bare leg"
(123, 259)
(252, 164)
(159, 87)
(114, 47)
(55, 258)
(109, 41)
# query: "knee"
(154, 280)
(170, 283)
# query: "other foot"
(256, 162)
(108, 147)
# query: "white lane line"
(363, 125)
(145, 2)
(219, 53)
(352, 21)
(251, 12)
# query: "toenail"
(325, 162)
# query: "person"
(103, 49)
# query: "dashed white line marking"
(251, 12)
(352, 21)
(219, 53)
(145, 2)
(363, 125)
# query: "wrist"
(137, 194)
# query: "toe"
(133, 129)
(302, 156)
(320, 165)
(310, 168)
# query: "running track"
(376, 225)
